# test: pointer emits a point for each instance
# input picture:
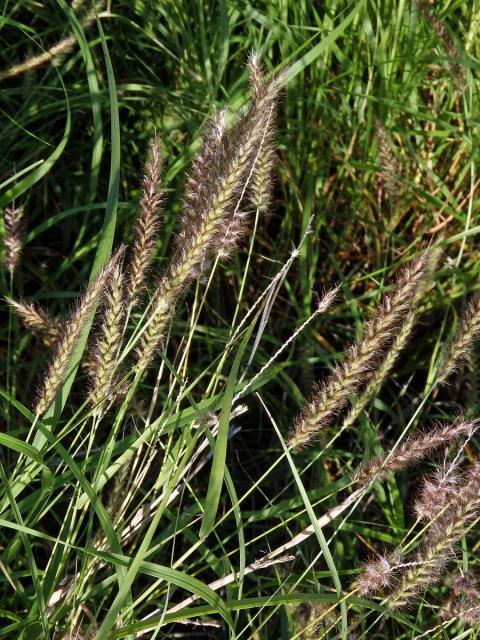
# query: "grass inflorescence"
(240, 274)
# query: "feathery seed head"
(147, 223)
(382, 371)
(103, 374)
(214, 212)
(263, 178)
(463, 341)
(14, 224)
(56, 53)
(434, 494)
(447, 43)
(463, 603)
(260, 192)
(414, 449)
(36, 319)
(466, 584)
(70, 333)
(438, 546)
(376, 576)
(363, 357)
(390, 165)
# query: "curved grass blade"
(94, 96)
(41, 171)
(19, 446)
(105, 244)
(245, 604)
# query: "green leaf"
(41, 171)
(246, 604)
(313, 53)
(220, 453)
(318, 531)
(94, 98)
(21, 447)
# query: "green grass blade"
(311, 55)
(39, 602)
(218, 465)
(318, 531)
(25, 184)
(105, 244)
(21, 447)
(93, 87)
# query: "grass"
(377, 160)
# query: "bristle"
(36, 320)
(68, 339)
(14, 223)
(376, 576)
(361, 358)
(147, 224)
(434, 494)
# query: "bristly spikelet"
(438, 546)
(68, 339)
(381, 373)
(262, 181)
(257, 187)
(147, 224)
(390, 165)
(465, 599)
(262, 178)
(14, 223)
(197, 184)
(434, 494)
(414, 449)
(361, 358)
(463, 341)
(36, 319)
(213, 217)
(103, 373)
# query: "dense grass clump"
(240, 392)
